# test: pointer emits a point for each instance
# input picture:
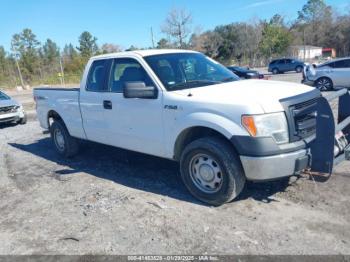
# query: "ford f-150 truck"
(184, 106)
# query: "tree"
(164, 44)
(177, 26)
(87, 45)
(132, 48)
(3, 64)
(110, 48)
(73, 62)
(51, 52)
(275, 38)
(315, 20)
(25, 48)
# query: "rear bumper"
(275, 166)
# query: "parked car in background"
(329, 75)
(245, 73)
(11, 110)
(286, 65)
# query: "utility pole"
(19, 72)
(304, 43)
(16, 56)
(152, 37)
(62, 74)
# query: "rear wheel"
(275, 71)
(65, 144)
(324, 84)
(211, 171)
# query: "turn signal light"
(248, 123)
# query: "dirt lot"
(111, 201)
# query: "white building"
(306, 52)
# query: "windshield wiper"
(229, 79)
(193, 83)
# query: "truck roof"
(146, 52)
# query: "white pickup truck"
(184, 106)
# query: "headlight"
(17, 109)
(267, 125)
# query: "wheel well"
(193, 133)
(324, 77)
(53, 115)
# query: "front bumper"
(262, 159)
(308, 82)
(275, 166)
(11, 117)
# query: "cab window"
(127, 70)
(342, 64)
(98, 73)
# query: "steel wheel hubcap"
(205, 173)
(59, 139)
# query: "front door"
(133, 123)
(340, 73)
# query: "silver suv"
(329, 75)
(11, 110)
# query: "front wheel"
(324, 84)
(298, 69)
(211, 171)
(23, 120)
(64, 143)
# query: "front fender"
(221, 124)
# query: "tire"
(23, 120)
(222, 163)
(324, 84)
(299, 69)
(275, 71)
(64, 143)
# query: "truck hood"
(266, 93)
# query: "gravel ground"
(112, 201)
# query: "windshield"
(3, 96)
(188, 70)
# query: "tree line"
(251, 43)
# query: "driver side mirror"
(139, 90)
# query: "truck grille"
(6, 110)
(303, 116)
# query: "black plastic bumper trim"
(266, 146)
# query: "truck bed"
(61, 101)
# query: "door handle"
(107, 104)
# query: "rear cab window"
(98, 75)
(342, 63)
